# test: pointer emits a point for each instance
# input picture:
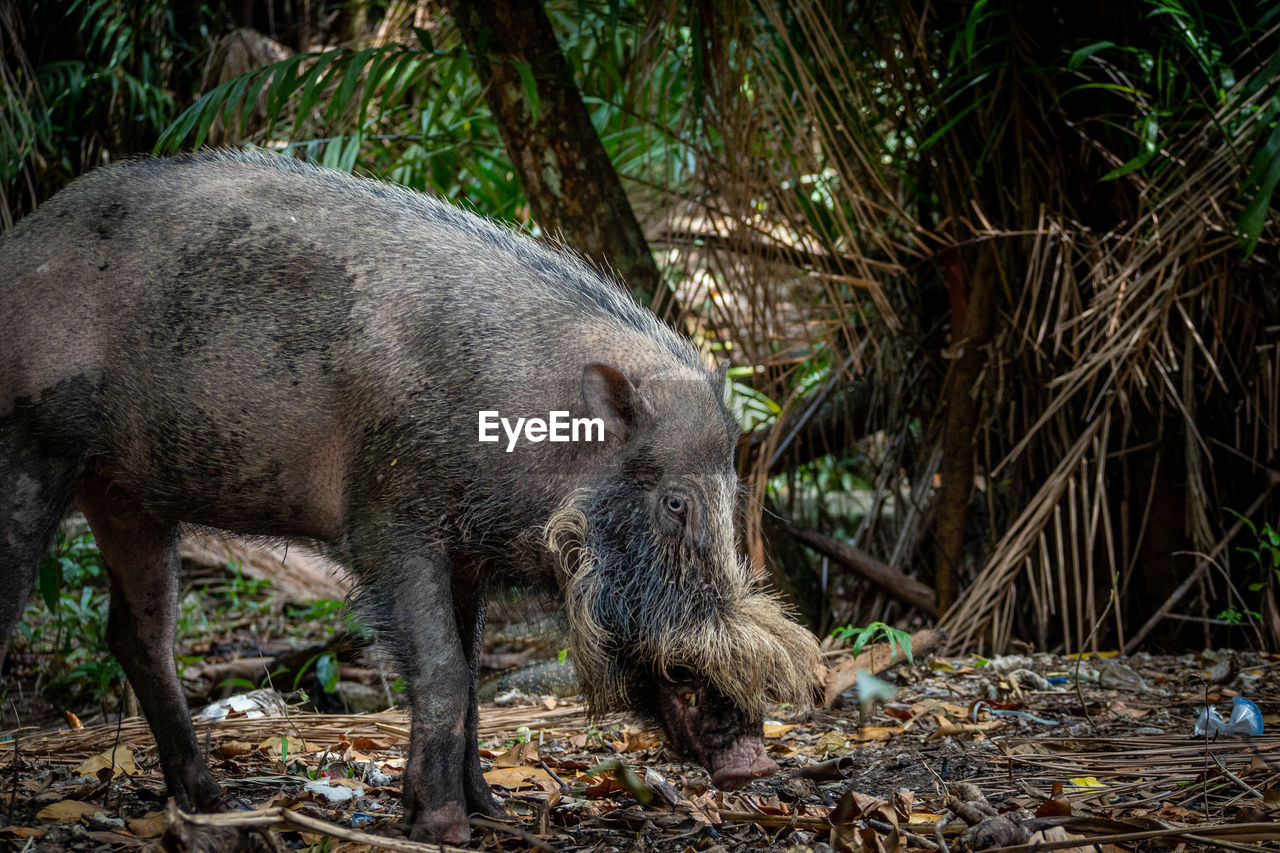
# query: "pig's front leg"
(414, 595)
(470, 610)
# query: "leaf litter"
(1012, 754)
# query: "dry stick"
(902, 587)
(1201, 568)
(278, 816)
(1233, 777)
(1219, 844)
(515, 831)
(13, 795)
(564, 789)
(1084, 706)
(1264, 830)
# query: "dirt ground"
(1011, 754)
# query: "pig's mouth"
(702, 724)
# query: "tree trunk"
(972, 307)
(561, 163)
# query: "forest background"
(997, 281)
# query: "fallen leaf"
(872, 733)
(150, 825)
(1055, 807)
(946, 727)
(1123, 710)
(67, 811)
(234, 749)
(295, 746)
(1086, 783)
(122, 761)
(829, 742)
(344, 782)
(1057, 834)
(522, 753)
(517, 777)
(369, 744)
(772, 730)
(74, 722)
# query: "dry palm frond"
(1153, 335)
(1130, 339)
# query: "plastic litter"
(333, 793)
(1246, 719)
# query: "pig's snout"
(704, 725)
(743, 761)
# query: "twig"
(277, 816)
(515, 831)
(1084, 706)
(818, 824)
(1201, 568)
(1265, 830)
(1233, 777)
(13, 795)
(914, 840)
(564, 789)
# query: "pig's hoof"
(198, 792)
(485, 804)
(446, 824)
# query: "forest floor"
(1015, 753)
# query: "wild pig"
(245, 342)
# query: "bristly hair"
(627, 623)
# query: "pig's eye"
(676, 506)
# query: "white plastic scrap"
(254, 705)
(333, 793)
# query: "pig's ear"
(612, 397)
(722, 376)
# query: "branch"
(900, 586)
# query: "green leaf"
(1079, 56)
(1259, 187)
(530, 88)
(1149, 136)
(49, 580)
(327, 673)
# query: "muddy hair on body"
(638, 608)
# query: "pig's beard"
(640, 611)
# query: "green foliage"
(416, 114)
(88, 78)
(1172, 82)
(1265, 554)
(1235, 616)
(897, 640)
(68, 619)
(243, 594)
(320, 610)
(327, 672)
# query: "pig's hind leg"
(35, 491)
(141, 556)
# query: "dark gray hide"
(247, 343)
